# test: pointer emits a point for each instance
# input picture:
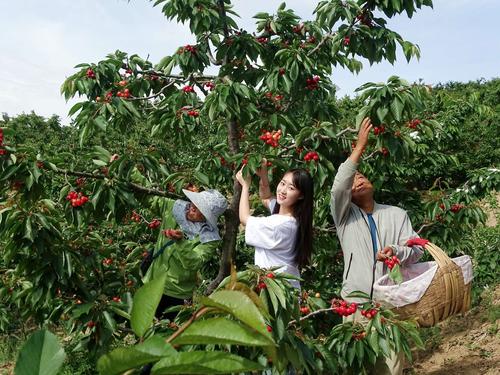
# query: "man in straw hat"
(189, 229)
(369, 233)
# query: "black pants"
(165, 303)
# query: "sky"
(42, 41)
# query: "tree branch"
(222, 15)
(320, 311)
(325, 38)
(425, 226)
(154, 95)
(133, 186)
(195, 316)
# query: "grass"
(77, 363)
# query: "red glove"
(416, 242)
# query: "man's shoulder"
(389, 209)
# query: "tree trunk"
(232, 220)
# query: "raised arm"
(265, 194)
(244, 210)
(342, 184)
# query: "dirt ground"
(464, 345)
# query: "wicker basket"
(447, 294)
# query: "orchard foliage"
(143, 129)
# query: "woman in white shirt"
(284, 238)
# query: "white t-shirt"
(274, 240)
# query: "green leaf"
(396, 338)
(219, 330)
(241, 307)
(41, 354)
(131, 108)
(201, 362)
(75, 108)
(101, 123)
(202, 177)
(99, 163)
(146, 300)
(274, 288)
(397, 108)
(361, 115)
(373, 341)
(381, 113)
(384, 346)
(395, 274)
(28, 230)
(123, 359)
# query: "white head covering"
(211, 204)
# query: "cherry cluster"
(384, 151)
(188, 48)
(209, 85)
(391, 261)
(304, 310)
(456, 207)
(347, 40)
(312, 83)
(190, 112)
(414, 123)
(261, 284)
(369, 313)
(90, 73)
(77, 199)
(271, 96)
(262, 40)
(188, 88)
(155, 223)
(343, 308)
(298, 28)
(136, 217)
(357, 336)
(379, 129)
(365, 19)
(271, 138)
(107, 261)
(125, 93)
(311, 155)
(2, 150)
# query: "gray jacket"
(394, 228)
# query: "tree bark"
(232, 220)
